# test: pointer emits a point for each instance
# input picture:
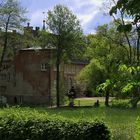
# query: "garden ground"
(121, 122)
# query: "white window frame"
(44, 67)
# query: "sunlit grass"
(120, 121)
(88, 101)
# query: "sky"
(89, 12)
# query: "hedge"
(137, 134)
(17, 127)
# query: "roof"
(37, 48)
(77, 61)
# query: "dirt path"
(101, 99)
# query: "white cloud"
(86, 11)
(81, 3)
(36, 18)
(86, 18)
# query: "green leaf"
(113, 10)
(123, 68)
(138, 68)
(124, 28)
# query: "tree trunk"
(107, 98)
(138, 49)
(127, 38)
(4, 50)
(57, 77)
(134, 102)
(5, 42)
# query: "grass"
(120, 121)
(89, 101)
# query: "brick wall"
(31, 77)
(29, 81)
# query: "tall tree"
(11, 17)
(106, 51)
(131, 9)
(67, 36)
(128, 9)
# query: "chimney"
(43, 24)
(36, 28)
(14, 31)
(28, 24)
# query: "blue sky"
(89, 12)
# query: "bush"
(124, 104)
(15, 128)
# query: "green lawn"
(88, 101)
(120, 121)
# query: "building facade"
(31, 77)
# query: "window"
(3, 89)
(44, 66)
(5, 66)
(3, 76)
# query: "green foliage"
(104, 86)
(92, 75)
(11, 14)
(105, 52)
(129, 75)
(18, 126)
(137, 134)
(129, 6)
(120, 121)
(126, 83)
(125, 28)
(113, 10)
(65, 30)
(130, 87)
(11, 18)
(124, 104)
(67, 37)
(129, 10)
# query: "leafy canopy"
(65, 27)
(11, 13)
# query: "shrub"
(120, 104)
(13, 127)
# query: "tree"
(131, 7)
(67, 36)
(127, 81)
(106, 51)
(128, 9)
(11, 17)
(91, 76)
(130, 72)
